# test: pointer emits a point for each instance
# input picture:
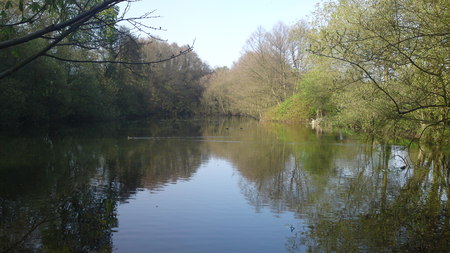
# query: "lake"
(218, 185)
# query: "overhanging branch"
(183, 52)
(378, 86)
(85, 16)
(66, 33)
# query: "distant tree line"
(376, 66)
(266, 74)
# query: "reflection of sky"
(214, 196)
(208, 213)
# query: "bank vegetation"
(377, 66)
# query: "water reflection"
(60, 191)
(382, 208)
(354, 196)
(55, 194)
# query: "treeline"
(266, 74)
(100, 71)
(52, 90)
(373, 65)
(376, 66)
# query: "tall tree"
(272, 59)
(265, 75)
(399, 47)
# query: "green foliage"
(317, 88)
(174, 85)
(380, 68)
(294, 109)
(92, 72)
(393, 56)
(315, 98)
(51, 90)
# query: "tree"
(317, 87)
(265, 75)
(216, 99)
(72, 60)
(272, 59)
(90, 25)
(399, 47)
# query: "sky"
(219, 28)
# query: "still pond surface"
(222, 185)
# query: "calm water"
(218, 186)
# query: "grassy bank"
(292, 110)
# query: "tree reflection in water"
(380, 208)
(60, 191)
(354, 197)
(56, 195)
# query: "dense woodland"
(378, 66)
(100, 71)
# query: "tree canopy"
(400, 47)
(371, 65)
(74, 60)
(85, 25)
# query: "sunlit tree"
(398, 47)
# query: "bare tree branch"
(183, 52)
(28, 20)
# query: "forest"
(377, 66)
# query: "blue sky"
(219, 28)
